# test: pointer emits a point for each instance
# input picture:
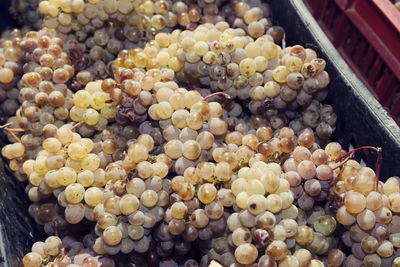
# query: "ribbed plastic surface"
(367, 34)
(17, 229)
(361, 121)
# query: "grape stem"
(18, 130)
(76, 126)
(5, 125)
(12, 131)
(210, 95)
(378, 163)
(343, 162)
(190, 86)
(55, 228)
(284, 41)
(217, 93)
(13, 135)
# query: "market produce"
(184, 133)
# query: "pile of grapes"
(183, 133)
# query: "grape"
(241, 236)
(32, 259)
(290, 213)
(305, 202)
(293, 178)
(246, 253)
(353, 261)
(13, 151)
(395, 261)
(335, 257)
(257, 204)
(374, 201)
(319, 245)
(277, 250)
(369, 244)
(214, 210)
(136, 187)
(304, 235)
(394, 203)
(312, 187)
(372, 259)
(205, 233)
(128, 204)
(303, 256)
(226, 197)
(178, 210)
(306, 169)
(207, 193)
(274, 203)
(356, 233)
(355, 202)
(366, 220)
(391, 186)
(141, 245)
(74, 193)
(383, 215)
(325, 225)
(385, 249)
(52, 246)
(199, 218)
(380, 232)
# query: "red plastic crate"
(367, 34)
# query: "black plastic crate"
(361, 121)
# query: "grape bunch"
(102, 29)
(369, 210)
(256, 72)
(91, 107)
(66, 252)
(184, 133)
(138, 91)
(310, 172)
(11, 71)
(64, 168)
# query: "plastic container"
(361, 121)
(367, 35)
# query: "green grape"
(325, 225)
